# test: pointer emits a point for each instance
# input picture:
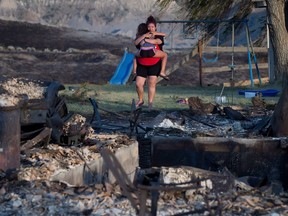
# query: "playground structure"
(206, 38)
(227, 35)
(124, 69)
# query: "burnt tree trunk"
(280, 116)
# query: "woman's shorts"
(144, 70)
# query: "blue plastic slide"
(123, 70)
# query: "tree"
(279, 37)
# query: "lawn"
(118, 98)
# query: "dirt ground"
(47, 53)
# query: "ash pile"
(213, 120)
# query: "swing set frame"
(250, 50)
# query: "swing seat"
(213, 60)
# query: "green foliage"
(209, 9)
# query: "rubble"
(15, 90)
(8, 100)
(31, 190)
(15, 87)
(42, 197)
(41, 163)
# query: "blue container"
(265, 93)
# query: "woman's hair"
(151, 19)
(142, 29)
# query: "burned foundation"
(265, 158)
(187, 144)
(169, 145)
(174, 152)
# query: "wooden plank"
(44, 135)
(238, 67)
(208, 49)
(264, 80)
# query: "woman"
(148, 68)
(148, 49)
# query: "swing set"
(189, 33)
(215, 59)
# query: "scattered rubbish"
(73, 88)
(234, 114)
(221, 99)
(197, 106)
(182, 101)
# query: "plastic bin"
(250, 94)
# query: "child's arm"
(139, 39)
(154, 41)
(160, 34)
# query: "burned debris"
(33, 113)
(206, 160)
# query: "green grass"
(118, 98)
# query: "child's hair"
(151, 19)
(142, 29)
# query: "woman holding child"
(149, 65)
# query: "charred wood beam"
(202, 122)
(262, 126)
(233, 114)
(32, 133)
(45, 134)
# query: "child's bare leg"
(164, 57)
(134, 66)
